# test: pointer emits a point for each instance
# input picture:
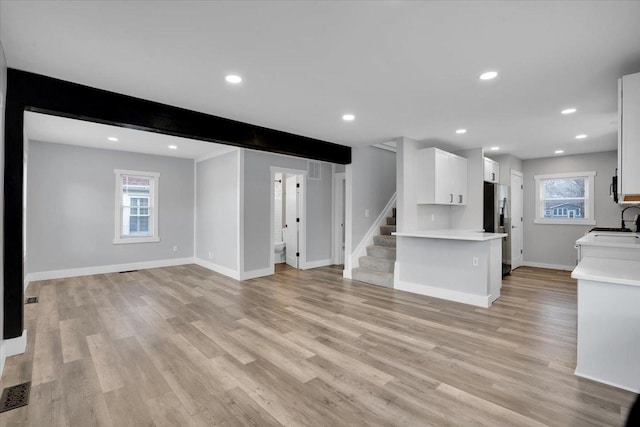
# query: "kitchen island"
(609, 321)
(457, 265)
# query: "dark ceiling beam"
(33, 92)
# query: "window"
(565, 198)
(136, 207)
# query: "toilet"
(279, 249)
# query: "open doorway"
(288, 220)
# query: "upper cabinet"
(629, 139)
(442, 178)
(491, 170)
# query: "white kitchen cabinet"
(491, 170)
(629, 139)
(442, 178)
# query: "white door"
(517, 222)
(292, 222)
(339, 217)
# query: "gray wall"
(373, 173)
(217, 210)
(71, 197)
(257, 206)
(554, 244)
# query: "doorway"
(288, 217)
(339, 183)
(517, 220)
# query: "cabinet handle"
(493, 176)
(450, 198)
(460, 196)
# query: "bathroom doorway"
(288, 219)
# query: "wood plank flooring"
(183, 346)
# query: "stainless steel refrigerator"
(497, 218)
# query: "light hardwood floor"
(183, 346)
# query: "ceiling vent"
(314, 169)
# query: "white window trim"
(589, 207)
(155, 236)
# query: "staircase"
(377, 267)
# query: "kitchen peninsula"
(457, 265)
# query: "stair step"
(389, 241)
(381, 252)
(386, 230)
(378, 278)
(377, 264)
(391, 220)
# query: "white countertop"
(611, 239)
(471, 235)
(616, 271)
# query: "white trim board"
(225, 271)
(353, 260)
(253, 274)
(11, 347)
(446, 294)
(103, 269)
(578, 374)
(317, 264)
(550, 266)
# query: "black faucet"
(622, 217)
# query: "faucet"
(622, 217)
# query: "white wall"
(218, 212)
(553, 245)
(71, 212)
(257, 210)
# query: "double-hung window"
(136, 216)
(565, 198)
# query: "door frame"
(521, 207)
(302, 242)
(337, 205)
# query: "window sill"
(128, 240)
(564, 221)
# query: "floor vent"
(130, 271)
(15, 397)
(32, 300)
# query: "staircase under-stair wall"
(377, 266)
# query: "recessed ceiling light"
(581, 136)
(233, 78)
(495, 148)
(348, 117)
(568, 111)
(113, 138)
(461, 131)
(559, 151)
(489, 75)
(173, 147)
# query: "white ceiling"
(61, 130)
(403, 68)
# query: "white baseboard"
(347, 274)
(11, 347)
(103, 269)
(257, 273)
(316, 264)
(634, 390)
(551, 266)
(225, 271)
(446, 294)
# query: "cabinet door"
(460, 181)
(629, 149)
(491, 170)
(444, 194)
